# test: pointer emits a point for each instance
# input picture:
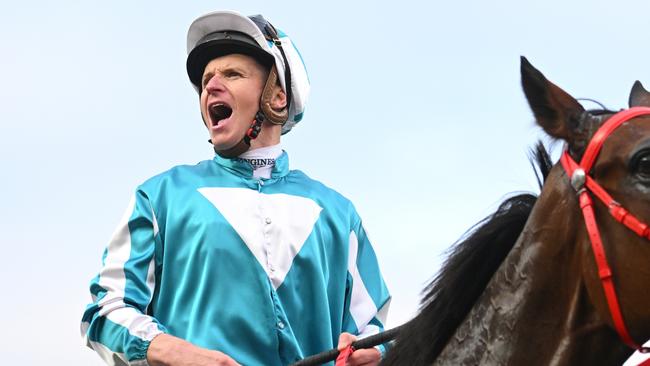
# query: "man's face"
(232, 87)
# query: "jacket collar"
(245, 169)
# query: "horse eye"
(641, 165)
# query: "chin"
(224, 144)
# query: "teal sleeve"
(369, 298)
(116, 324)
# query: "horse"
(523, 287)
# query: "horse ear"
(639, 97)
(557, 112)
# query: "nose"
(214, 85)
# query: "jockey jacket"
(267, 271)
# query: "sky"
(416, 114)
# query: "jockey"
(237, 259)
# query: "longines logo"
(258, 163)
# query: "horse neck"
(535, 309)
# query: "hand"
(360, 357)
(167, 350)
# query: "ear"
(639, 97)
(557, 112)
(279, 99)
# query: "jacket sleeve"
(368, 297)
(115, 324)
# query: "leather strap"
(273, 116)
(618, 212)
(605, 130)
(604, 271)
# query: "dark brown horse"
(523, 288)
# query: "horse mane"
(468, 268)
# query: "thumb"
(345, 339)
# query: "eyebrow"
(227, 67)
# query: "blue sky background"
(416, 114)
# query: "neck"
(536, 310)
(269, 136)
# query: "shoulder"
(178, 176)
(326, 196)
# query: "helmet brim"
(222, 44)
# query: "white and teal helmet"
(224, 32)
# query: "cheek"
(250, 102)
(203, 107)
(251, 94)
(203, 99)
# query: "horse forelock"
(588, 124)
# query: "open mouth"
(219, 112)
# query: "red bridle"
(582, 182)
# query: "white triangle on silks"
(274, 244)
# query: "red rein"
(584, 184)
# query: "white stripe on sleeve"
(111, 277)
(113, 280)
(362, 307)
(139, 325)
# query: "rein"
(583, 184)
(341, 356)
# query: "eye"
(232, 74)
(640, 165)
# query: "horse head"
(523, 286)
(622, 169)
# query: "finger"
(345, 339)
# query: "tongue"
(219, 112)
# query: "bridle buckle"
(578, 179)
